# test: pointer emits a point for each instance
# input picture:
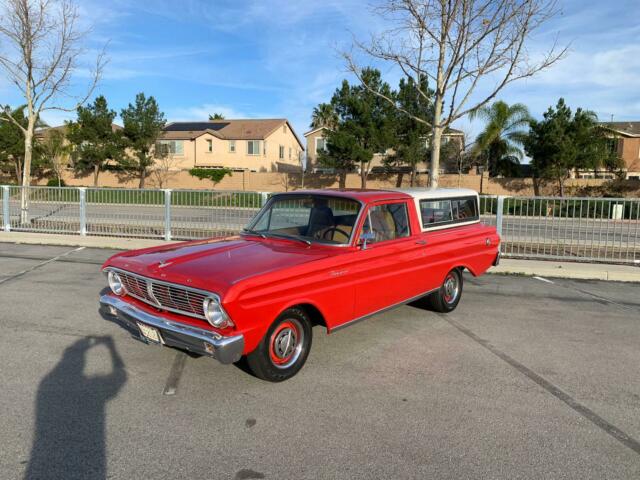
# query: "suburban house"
(316, 142)
(627, 138)
(257, 145)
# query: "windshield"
(309, 218)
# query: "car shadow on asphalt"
(69, 437)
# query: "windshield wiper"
(289, 237)
(253, 232)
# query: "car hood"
(216, 265)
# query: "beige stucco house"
(316, 142)
(257, 145)
(627, 138)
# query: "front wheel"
(284, 349)
(446, 298)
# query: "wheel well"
(462, 268)
(314, 314)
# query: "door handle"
(421, 242)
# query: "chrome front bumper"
(174, 334)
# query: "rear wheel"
(447, 297)
(284, 349)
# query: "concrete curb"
(583, 271)
(116, 243)
(541, 268)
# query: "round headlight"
(214, 313)
(115, 283)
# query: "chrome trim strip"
(395, 305)
(150, 280)
(226, 349)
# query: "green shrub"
(53, 182)
(213, 174)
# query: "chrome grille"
(178, 298)
(173, 298)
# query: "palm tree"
(499, 146)
(324, 115)
(216, 116)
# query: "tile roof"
(244, 129)
(629, 128)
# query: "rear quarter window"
(449, 211)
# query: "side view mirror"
(366, 237)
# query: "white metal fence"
(580, 229)
(162, 214)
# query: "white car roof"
(427, 193)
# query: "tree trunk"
(399, 180)
(434, 172)
(561, 183)
(18, 170)
(363, 176)
(96, 172)
(536, 186)
(342, 179)
(26, 172)
(412, 180)
(143, 176)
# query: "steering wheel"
(324, 235)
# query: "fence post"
(167, 214)
(499, 215)
(264, 196)
(83, 210)
(5, 208)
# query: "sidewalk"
(585, 271)
(116, 243)
(541, 268)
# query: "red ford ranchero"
(314, 257)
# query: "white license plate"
(150, 333)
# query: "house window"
(321, 144)
(253, 147)
(284, 128)
(289, 153)
(209, 146)
(170, 147)
(281, 152)
(232, 146)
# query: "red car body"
(256, 279)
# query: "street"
(526, 379)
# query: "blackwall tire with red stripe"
(447, 297)
(283, 351)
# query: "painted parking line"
(554, 390)
(542, 279)
(177, 368)
(38, 265)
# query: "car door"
(387, 270)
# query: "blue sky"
(278, 58)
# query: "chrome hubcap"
(450, 288)
(285, 343)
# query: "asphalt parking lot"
(526, 379)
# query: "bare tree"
(165, 167)
(460, 46)
(41, 47)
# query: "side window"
(464, 209)
(387, 222)
(435, 211)
(448, 211)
